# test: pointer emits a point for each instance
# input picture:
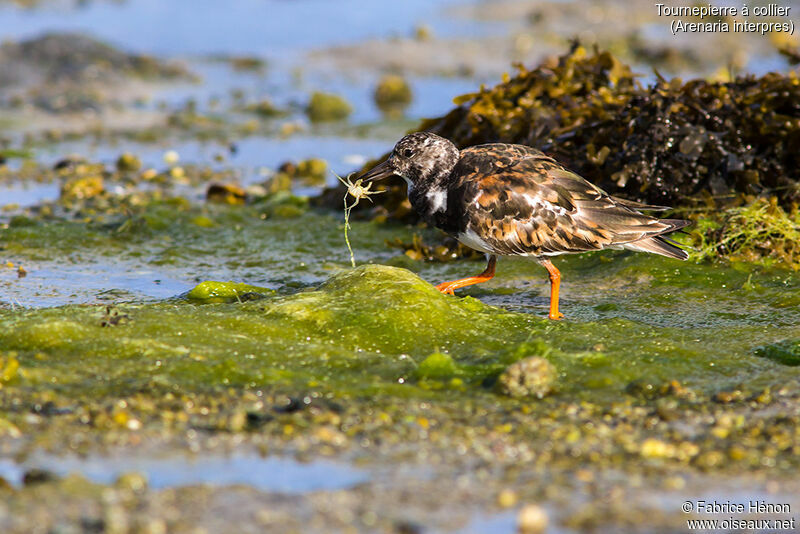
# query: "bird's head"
(417, 158)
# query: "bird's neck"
(428, 186)
(429, 196)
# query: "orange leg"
(555, 283)
(487, 274)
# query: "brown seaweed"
(681, 144)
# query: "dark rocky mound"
(673, 143)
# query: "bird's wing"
(526, 203)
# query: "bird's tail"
(662, 245)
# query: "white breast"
(437, 199)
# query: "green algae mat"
(369, 331)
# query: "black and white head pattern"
(423, 157)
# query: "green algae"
(337, 358)
(761, 232)
(783, 352)
(378, 353)
(437, 365)
(351, 333)
(213, 292)
(381, 351)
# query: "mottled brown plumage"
(515, 200)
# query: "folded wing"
(525, 203)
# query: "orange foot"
(446, 287)
(487, 274)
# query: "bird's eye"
(408, 152)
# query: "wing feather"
(526, 203)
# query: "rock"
(531, 377)
(82, 187)
(70, 72)
(265, 108)
(72, 57)
(38, 476)
(312, 170)
(507, 498)
(132, 481)
(171, 157)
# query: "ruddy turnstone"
(513, 200)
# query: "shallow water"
(271, 474)
(187, 28)
(24, 195)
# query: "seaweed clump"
(676, 143)
(699, 143)
(326, 107)
(392, 95)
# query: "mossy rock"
(392, 93)
(265, 108)
(82, 187)
(128, 162)
(437, 366)
(326, 107)
(212, 292)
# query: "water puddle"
(272, 474)
(52, 285)
(27, 194)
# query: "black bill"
(378, 172)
